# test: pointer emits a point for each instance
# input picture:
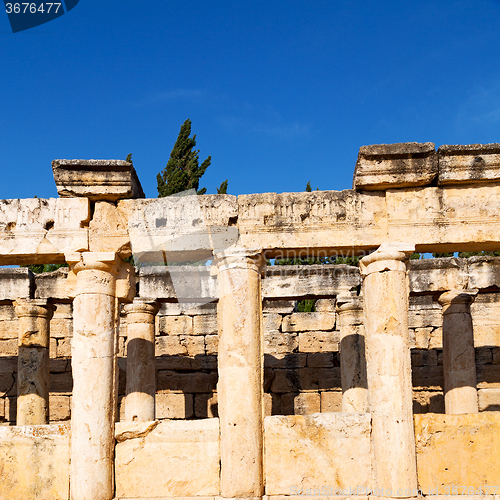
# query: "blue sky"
(279, 92)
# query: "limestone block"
(325, 305)
(446, 219)
(489, 399)
(271, 322)
(37, 230)
(303, 403)
(108, 230)
(199, 308)
(8, 330)
(182, 282)
(61, 382)
(305, 322)
(182, 228)
(7, 312)
(384, 166)
(176, 325)
(484, 271)
(424, 312)
(8, 347)
(316, 450)
(34, 461)
(454, 450)
(61, 328)
(321, 360)
(211, 344)
(170, 345)
(205, 325)
(195, 344)
(280, 343)
(52, 285)
(63, 348)
(319, 341)
(278, 306)
(488, 376)
(290, 361)
(307, 220)
(174, 405)
(467, 164)
(16, 283)
(442, 274)
(308, 281)
(205, 405)
(485, 311)
(427, 377)
(167, 459)
(96, 179)
(59, 408)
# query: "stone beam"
(37, 231)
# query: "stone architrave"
(240, 386)
(459, 364)
(33, 361)
(141, 376)
(385, 295)
(94, 366)
(352, 355)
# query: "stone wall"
(301, 350)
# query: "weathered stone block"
(303, 403)
(271, 322)
(63, 348)
(489, 399)
(61, 328)
(298, 451)
(34, 461)
(455, 450)
(468, 164)
(8, 347)
(428, 402)
(488, 376)
(320, 360)
(176, 325)
(441, 274)
(205, 325)
(37, 230)
(108, 230)
(319, 341)
(170, 345)
(52, 285)
(485, 311)
(9, 329)
(278, 306)
(384, 166)
(211, 344)
(186, 382)
(167, 459)
(110, 180)
(59, 408)
(16, 283)
(427, 377)
(325, 305)
(305, 322)
(280, 343)
(294, 360)
(61, 382)
(174, 405)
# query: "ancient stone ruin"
(193, 376)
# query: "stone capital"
(40, 308)
(34, 316)
(388, 257)
(141, 310)
(457, 301)
(241, 258)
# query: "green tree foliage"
(129, 158)
(308, 186)
(45, 268)
(222, 189)
(183, 170)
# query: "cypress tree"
(183, 171)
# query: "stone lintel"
(96, 179)
(384, 166)
(16, 282)
(470, 163)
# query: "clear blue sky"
(279, 92)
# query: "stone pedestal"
(459, 364)
(240, 387)
(352, 355)
(33, 361)
(93, 364)
(385, 295)
(141, 380)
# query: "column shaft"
(141, 376)
(385, 296)
(459, 364)
(352, 355)
(93, 364)
(33, 361)
(240, 386)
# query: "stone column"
(33, 361)
(385, 295)
(141, 377)
(93, 364)
(240, 386)
(352, 355)
(459, 364)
